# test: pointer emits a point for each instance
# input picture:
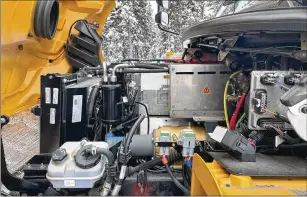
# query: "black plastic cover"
(59, 155)
(84, 159)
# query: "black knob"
(59, 155)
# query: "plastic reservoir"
(66, 174)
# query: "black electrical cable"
(172, 158)
(122, 125)
(144, 71)
(72, 25)
(148, 118)
(126, 145)
(186, 180)
(292, 145)
(176, 181)
(131, 133)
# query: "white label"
(76, 108)
(69, 183)
(55, 97)
(125, 99)
(52, 116)
(122, 172)
(48, 95)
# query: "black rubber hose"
(158, 65)
(148, 66)
(147, 113)
(292, 145)
(122, 125)
(106, 152)
(131, 133)
(129, 60)
(176, 181)
(143, 166)
(144, 71)
(172, 158)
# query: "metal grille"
(20, 139)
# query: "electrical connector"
(165, 136)
(237, 145)
(188, 142)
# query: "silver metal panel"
(155, 90)
(274, 93)
(157, 101)
(187, 99)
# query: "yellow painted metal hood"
(25, 56)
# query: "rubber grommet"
(46, 18)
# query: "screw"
(96, 24)
(50, 77)
(30, 35)
(227, 185)
(304, 110)
(156, 144)
(20, 47)
(173, 144)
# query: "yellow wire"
(225, 97)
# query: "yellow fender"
(25, 57)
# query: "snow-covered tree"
(131, 21)
(134, 18)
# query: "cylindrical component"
(111, 101)
(142, 146)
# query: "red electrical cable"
(233, 120)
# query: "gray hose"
(145, 71)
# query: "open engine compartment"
(235, 98)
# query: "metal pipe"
(113, 76)
(145, 71)
(105, 73)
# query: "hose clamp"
(94, 150)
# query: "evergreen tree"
(134, 18)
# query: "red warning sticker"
(206, 90)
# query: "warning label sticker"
(206, 90)
(77, 108)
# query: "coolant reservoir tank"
(64, 172)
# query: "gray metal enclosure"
(196, 91)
